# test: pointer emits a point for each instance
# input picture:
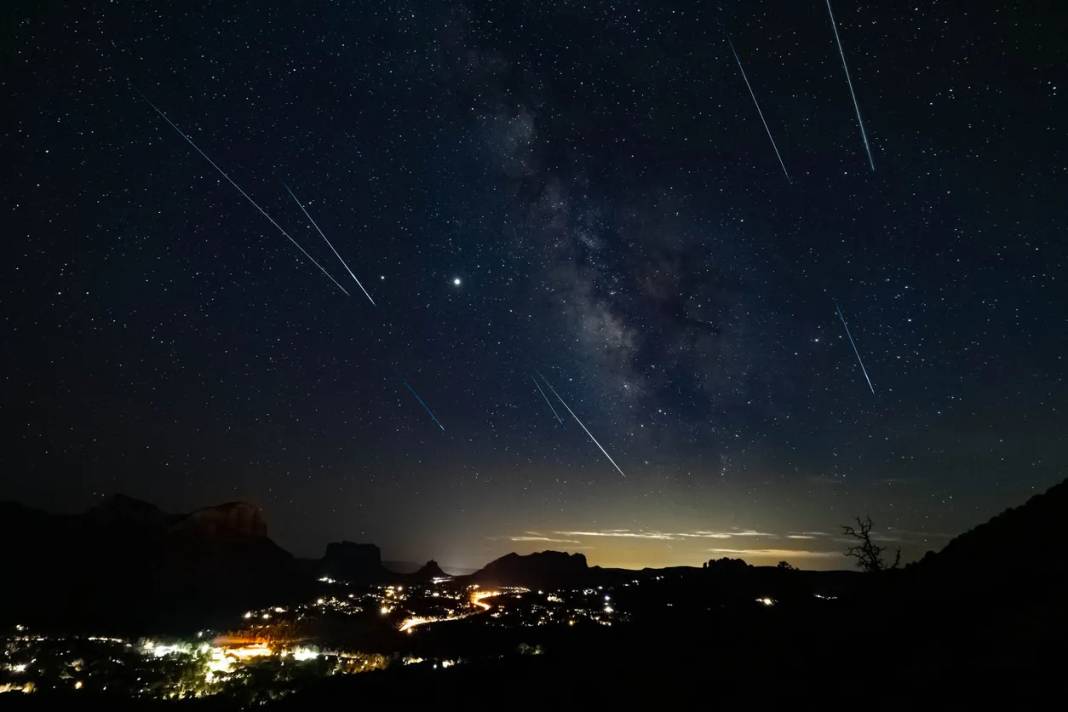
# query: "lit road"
(477, 599)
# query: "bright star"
(456, 281)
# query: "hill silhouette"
(1009, 571)
(544, 568)
(127, 564)
(1016, 541)
(352, 562)
(428, 572)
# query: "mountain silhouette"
(126, 563)
(544, 568)
(428, 572)
(1016, 540)
(352, 562)
(1015, 556)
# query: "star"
(456, 281)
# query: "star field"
(580, 190)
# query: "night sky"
(583, 191)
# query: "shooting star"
(759, 112)
(849, 81)
(620, 471)
(246, 195)
(547, 401)
(855, 350)
(340, 259)
(425, 406)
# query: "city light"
(255, 650)
(268, 644)
(409, 624)
(302, 654)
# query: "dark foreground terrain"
(981, 622)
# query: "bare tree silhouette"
(868, 554)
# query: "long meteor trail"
(760, 113)
(246, 196)
(547, 401)
(583, 426)
(425, 406)
(855, 350)
(339, 257)
(849, 81)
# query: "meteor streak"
(849, 81)
(547, 401)
(759, 112)
(855, 350)
(246, 195)
(340, 259)
(425, 406)
(582, 426)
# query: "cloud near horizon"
(665, 536)
(780, 553)
(544, 539)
